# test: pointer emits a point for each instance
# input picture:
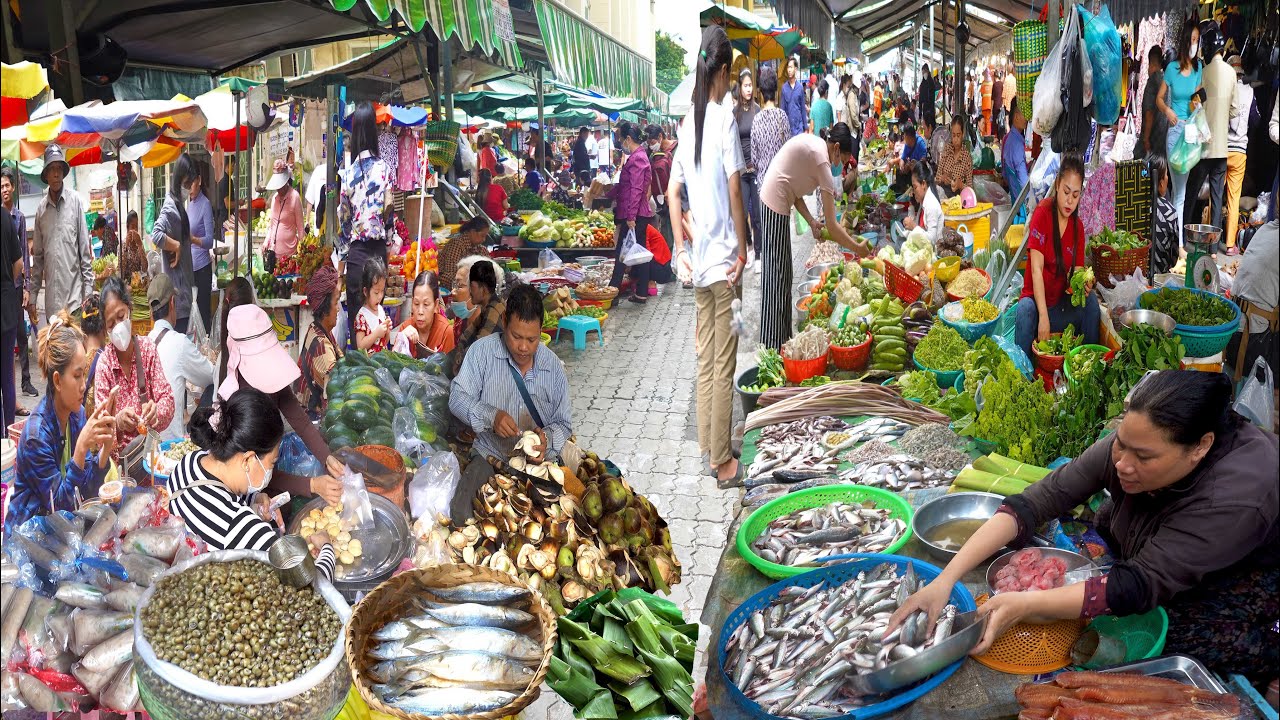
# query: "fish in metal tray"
(803, 655)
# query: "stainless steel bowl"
(1075, 562)
(1148, 317)
(966, 631)
(385, 544)
(816, 271)
(956, 506)
(1201, 234)
(801, 313)
(806, 287)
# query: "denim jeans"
(751, 202)
(1027, 320)
(1177, 181)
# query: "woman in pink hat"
(255, 359)
(285, 225)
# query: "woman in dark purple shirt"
(631, 206)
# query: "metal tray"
(385, 544)
(968, 629)
(1182, 668)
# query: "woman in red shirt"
(1055, 246)
(491, 198)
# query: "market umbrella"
(775, 44)
(20, 84)
(733, 19)
(92, 123)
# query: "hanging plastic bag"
(433, 485)
(1102, 41)
(1072, 133)
(633, 253)
(408, 440)
(357, 512)
(1043, 174)
(1256, 398)
(1046, 101)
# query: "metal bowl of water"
(806, 287)
(955, 506)
(1201, 234)
(1148, 317)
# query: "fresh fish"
(795, 476)
(103, 527)
(142, 569)
(125, 598)
(898, 473)
(90, 627)
(810, 535)
(475, 614)
(110, 653)
(38, 696)
(454, 701)
(158, 543)
(409, 647)
(121, 694)
(398, 630)
(795, 446)
(81, 595)
(489, 593)
(491, 671)
(491, 640)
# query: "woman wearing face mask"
(320, 351)
(427, 331)
(62, 449)
(1191, 522)
(804, 164)
(631, 208)
(130, 368)
(1178, 98)
(172, 234)
(240, 442)
(1055, 248)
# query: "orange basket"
(1107, 261)
(851, 358)
(900, 284)
(797, 371)
(1030, 649)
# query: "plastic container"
(960, 597)
(851, 358)
(797, 371)
(1066, 366)
(816, 497)
(540, 243)
(945, 378)
(901, 285)
(946, 269)
(8, 462)
(954, 297)
(748, 400)
(969, 331)
(1198, 340)
(1111, 640)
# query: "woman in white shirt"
(708, 161)
(926, 211)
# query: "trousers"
(639, 273)
(775, 278)
(1215, 171)
(1027, 320)
(751, 201)
(717, 348)
(1235, 179)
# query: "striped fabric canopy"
(584, 57)
(472, 21)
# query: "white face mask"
(266, 476)
(122, 334)
(1195, 50)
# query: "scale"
(1202, 270)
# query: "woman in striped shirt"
(240, 438)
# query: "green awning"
(731, 16)
(487, 103)
(237, 84)
(471, 20)
(584, 57)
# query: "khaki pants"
(717, 358)
(1235, 178)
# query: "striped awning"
(472, 21)
(583, 56)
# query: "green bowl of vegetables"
(1080, 358)
(1205, 321)
(941, 352)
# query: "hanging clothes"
(408, 168)
(388, 151)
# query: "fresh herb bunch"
(524, 199)
(1144, 347)
(815, 381)
(769, 373)
(1016, 413)
(921, 386)
(1060, 344)
(557, 211)
(983, 360)
(848, 336)
(942, 349)
(1190, 308)
(978, 310)
(1080, 279)
(1118, 240)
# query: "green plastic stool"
(580, 325)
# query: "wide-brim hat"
(280, 178)
(255, 354)
(53, 155)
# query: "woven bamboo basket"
(391, 601)
(606, 294)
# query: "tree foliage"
(669, 61)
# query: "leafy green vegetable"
(815, 381)
(921, 386)
(769, 373)
(983, 360)
(1119, 240)
(557, 211)
(1080, 279)
(978, 310)
(942, 349)
(1060, 344)
(1190, 308)
(1085, 363)
(1015, 414)
(1145, 347)
(524, 199)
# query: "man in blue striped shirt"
(486, 394)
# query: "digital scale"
(1202, 270)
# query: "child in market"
(373, 327)
(1164, 218)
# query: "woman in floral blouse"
(769, 130)
(363, 207)
(133, 257)
(955, 169)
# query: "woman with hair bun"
(804, 164)
(62, 450)
(1191, 522)
(240, 442)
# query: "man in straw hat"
(61, 256)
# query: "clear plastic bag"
(433, 486)
(408, 441)
(1256, 398)
(389, 385)
(633, 253)
(1046, 101)
(1189, 146)
(357, 511)
(1124, 296)
(547, 258)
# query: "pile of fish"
(898, 473)
(71, 585)
(798, 446)
(1121, 696)
(802, 656)
(466, 649)
(806, 536)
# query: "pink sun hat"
(254, 353)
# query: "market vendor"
(926, 211)
(285, 224)
(255, 359)
(1055, 248)
(210, 488)
(914, 149)
(62, 450)
(1191, 522)
(805, 163)
(130, 367)
(468, 241)
(509, 383)
(487, 310)
(320, 351)
(427, 331)
(955, 167)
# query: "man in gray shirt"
(61, 256)
(1258, 281)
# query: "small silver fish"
(481, 592)
(482, 615)
(454, 701)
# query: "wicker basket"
(390, 600)
(1107, 261)
(605, 294)
(440, 138)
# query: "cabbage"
(888, 254)
(917, 252)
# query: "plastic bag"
(389, 385)
(296, 459)
(1186, 153)
(357, 512)
(408, 441)
(1256, 399)
(1124, 296)
(433, 485)
(989, 191)
(1043, 174)
(1072, 133)
(1046, 101)
(1103, 43)
(633, 253)
(547, 258)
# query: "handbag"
(1126, 139)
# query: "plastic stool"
(580, 325)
